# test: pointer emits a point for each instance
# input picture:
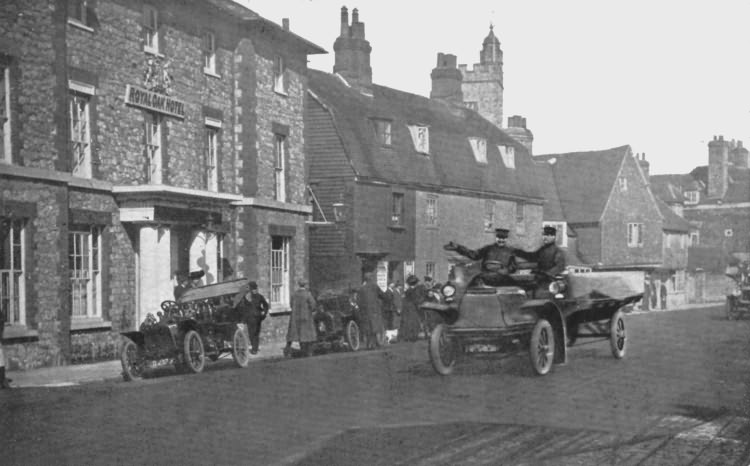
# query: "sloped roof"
(738, 188)
(553, 211)
(450, 163)
(672, 221)
(585, 180)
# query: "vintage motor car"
(482, 318)
(335, 320)
(738, 300)
(203, 322)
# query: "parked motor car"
(738, 300)
(335, 320)
(203, 323)
(517, 315)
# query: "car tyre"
(352, 335)
(618, 335)
(195, 356)
(240, 348)
(442, 350)
(542, 347)
(132, 366)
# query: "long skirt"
(409, 326)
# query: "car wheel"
(617, 335)
(542, 347)
(352, 335)
(132, 366)
(240, 348)
(195, 357)
(442, 350)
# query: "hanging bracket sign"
(154, 101)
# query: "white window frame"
(695, 238)
(151, 30)
(431, 211)
(397, 209)
(635, 235)
(279, 70)
(85, 261)
(209, 53)
(79, 113)
(13, 272)
(212, 158)
(520, 217)
(420, 136)
(692, 197)
(279, 270)
(472, 105)
(430, 270)
(508, 154)
(489, 215)
(279, 153)
(78, 14)
(479, 148)
(623, 182)
(5, 102)
(153, 148)
(562, 232)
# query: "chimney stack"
(446, 80)
(645, 166)
(718, 167)
(285, 23)
(352, 61)
(518, 131)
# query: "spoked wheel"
(352, 335)
(443, 351)
(617, 335)
(240, 348)
(132, 366)
(542, 347)
(195, 356)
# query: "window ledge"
(79, 25)
(208, 72)
(89, 323)
(397, 227)
(281, 93)
(19, 331)
(154, 52)
(280, 311)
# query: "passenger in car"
(497, 258)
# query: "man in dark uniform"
(497, 258)
(254, 309)
(550, 259)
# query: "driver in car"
(549, 258)
(497, 258)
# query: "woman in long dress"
(415, 294)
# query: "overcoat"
(301, 325)
(369, 300)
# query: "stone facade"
(146, 229)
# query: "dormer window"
(420, 135)
(692, 197)
(508, 153)
(479, 148)
(382, 131)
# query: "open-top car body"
(518, 314)
(335, 320)
(203, 323)
(738, 299)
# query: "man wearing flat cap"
(550, 259)
(254, 309)
(497, 258)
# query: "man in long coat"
(301, 324)
(369, 300)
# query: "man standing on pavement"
(301, 325)
(254, 308)
(369, 301)
(4, 382)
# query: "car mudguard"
(134, 335)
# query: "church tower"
(482, 86)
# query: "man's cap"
(412, 280)
(549, 231)
(302, 282)
(427, 278)
(501, 232)
(196, 274)
(253, 285)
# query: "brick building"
(169, 136)
(395, 175)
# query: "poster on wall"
(382, 275)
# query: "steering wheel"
(167, 306)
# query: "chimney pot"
(285, 23)
(355, 16)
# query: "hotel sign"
(153, 101)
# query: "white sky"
(662, 76)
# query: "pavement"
(77, 374)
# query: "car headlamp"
(736, 292)
(448, 291)
(556, 287)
